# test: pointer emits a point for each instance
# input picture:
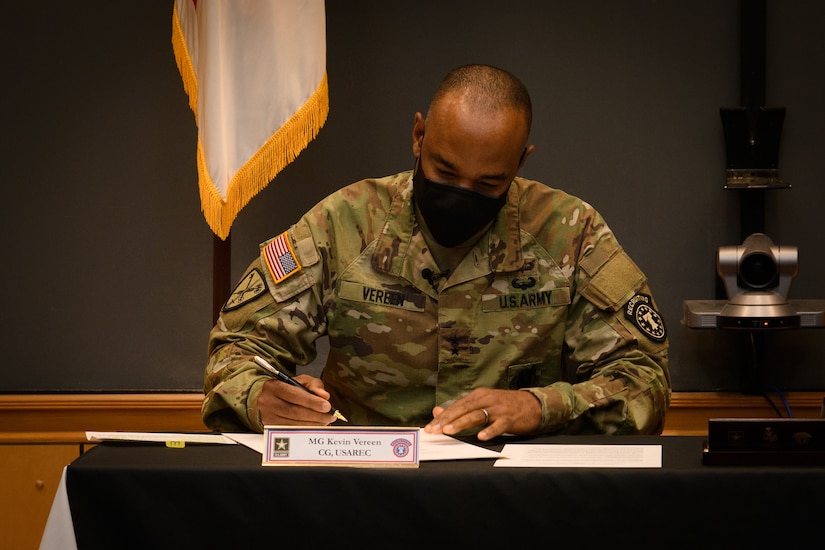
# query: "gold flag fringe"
(279, 150)
(184, 62)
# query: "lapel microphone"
(432, 277)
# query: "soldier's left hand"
(496, 411)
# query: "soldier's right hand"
(283, 404)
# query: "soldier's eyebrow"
(442, 163)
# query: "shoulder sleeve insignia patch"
(640, 311)
(249, 288)
(280, 258)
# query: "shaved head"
(477, 128)
(486, 89)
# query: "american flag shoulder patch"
(280, 258)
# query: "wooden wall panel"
(65, 418)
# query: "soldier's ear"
(526, 153)
(417, 134)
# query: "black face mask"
(453, 214)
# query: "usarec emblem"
(400, 447)
(640, 311)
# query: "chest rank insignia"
(248, 289)
(280, 258)
(639, 309)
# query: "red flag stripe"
(280, 258)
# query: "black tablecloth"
(126, 495)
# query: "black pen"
(284, 377)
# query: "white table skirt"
(59, 531)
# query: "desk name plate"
(341, 446)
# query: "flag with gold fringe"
(255, 74)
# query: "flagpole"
(221, 281)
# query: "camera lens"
(758, 270)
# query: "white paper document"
(580, 456)
(444, 447)
(432, 447)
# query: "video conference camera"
(757, 276)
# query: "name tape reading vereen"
(341, 446)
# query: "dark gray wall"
(107, 266)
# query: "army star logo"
(639, 309)
(281, 447)
(249, 288)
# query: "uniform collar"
(401, 249)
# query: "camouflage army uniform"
(546, 300)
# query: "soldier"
(455, 296)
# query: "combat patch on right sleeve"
(249, 288)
